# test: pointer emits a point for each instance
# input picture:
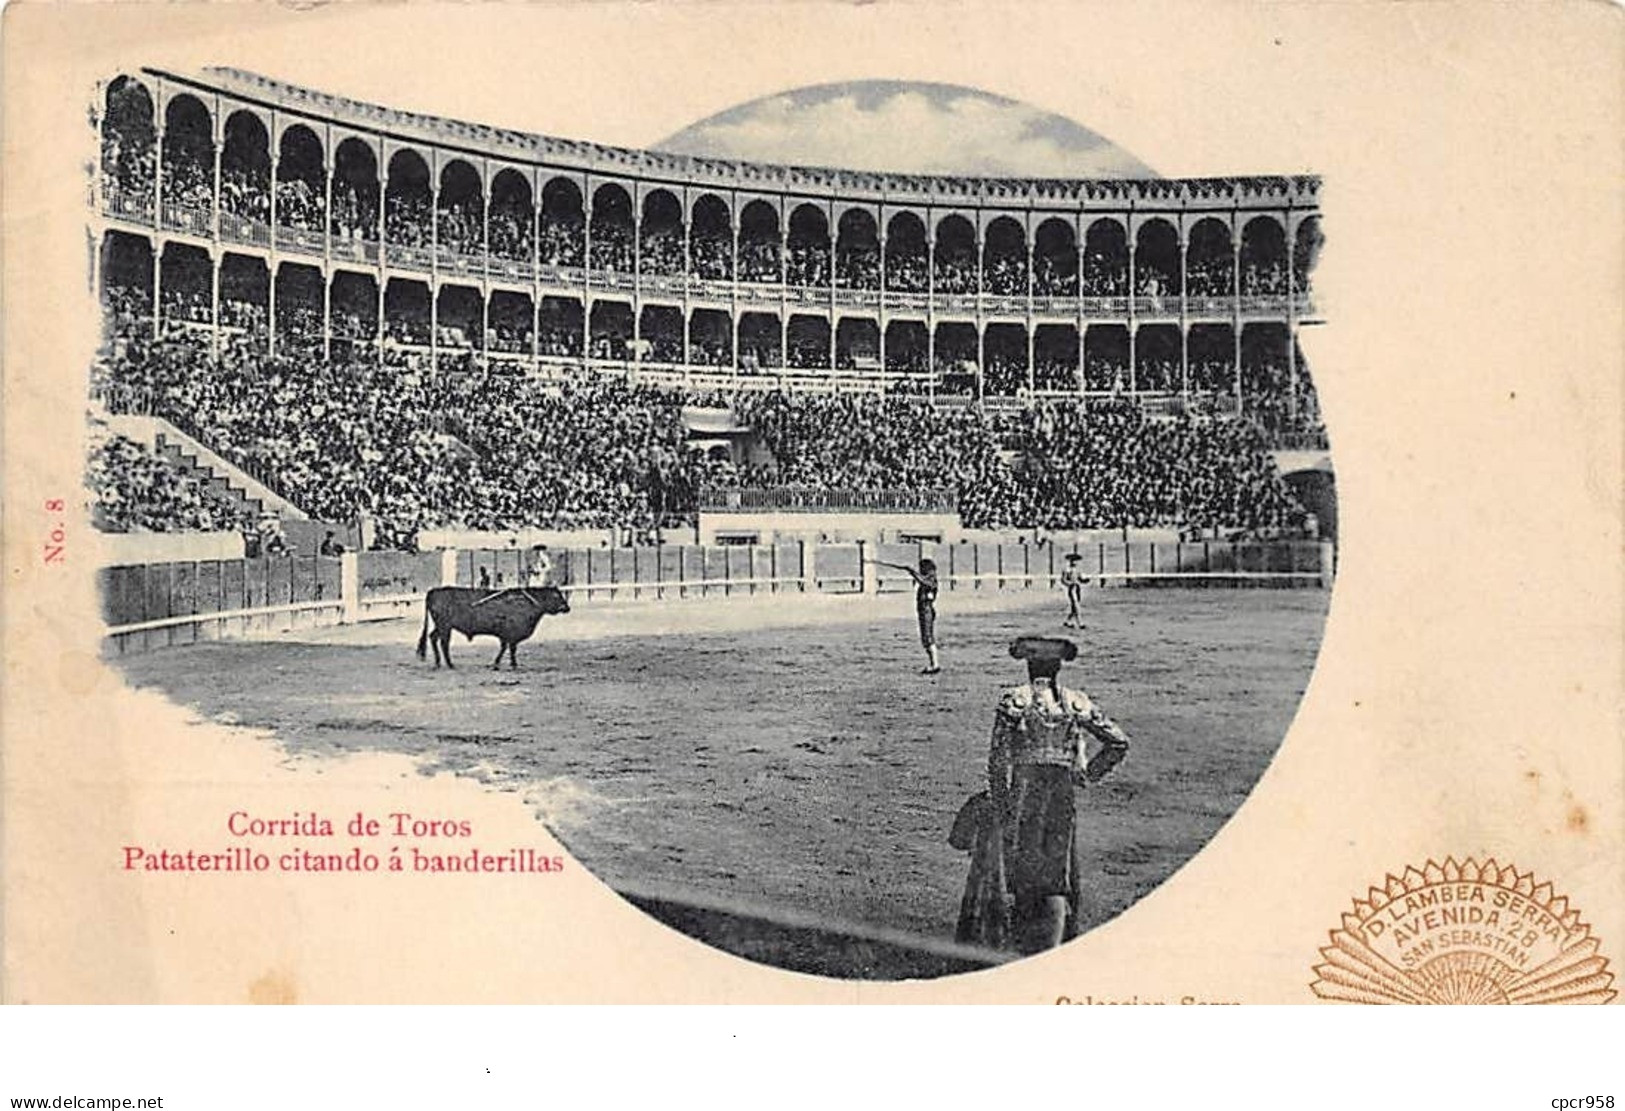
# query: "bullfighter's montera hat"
(1073, 557)
(1043, 649)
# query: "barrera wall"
(156, 605)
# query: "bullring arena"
(326, 390)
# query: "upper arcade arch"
(1306, 244)
(907, 259)
(612, 231)
(857, 250)
(511, 219)
(460, 209)
(710, 239)
(408, 204)
(1004, 258)
(954, 265)
(1263, 258)
(1055, 259)
(1105, 259)
(354, 215)
(129, 145)
(563, 239)
(759, 256)
(660, 235)
(188, 165)
(1157, 260)
(1210, 259)
(301, 181)
(807, 247)
(245, 169)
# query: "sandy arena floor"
(784, 750)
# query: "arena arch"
(956, 346)
(511, 329)
(1056, 362)
(299, 303)
(857, 344)
(661, 328)
(1004, 360)
(407, 312)
(759, 256)
(1264, 357)
(1306, 245)
(807, 247)
(1263, 258)
(907, 347)
(807, 340)
(407, 201)
(1211, 355)
(761, 341)
(1210, 260)
(710, 240)
(1004, 259)
(355, 192)
(559, 324)
(611, 330)
(245, 172)
(129, 138)
(301, 181)
(1105, 358)
(564, 224)
(1158, 358)
(710, 338)
(1105, 259)
(353, 299)
(953, 262)
(188, 156)
(186, 284)
(511, 218)
(611, 232)
(907, 267)
(126, 280)
(460, 317)
(661, 238)
(857, 250)
(1156, 260)
(460, 209)
(1055, 259)
(245, 296)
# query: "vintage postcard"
(985, 503)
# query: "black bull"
(509, 615)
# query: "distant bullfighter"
(509, 615)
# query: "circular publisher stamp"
(1463, 932)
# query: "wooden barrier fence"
(154, 605)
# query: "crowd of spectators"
(563, 241)
(1053, 465)
(1005, 276)
(300, 204)
(858, 267)
(612, 247)
(245, 192)
(487, 448)
(462, 228)
(354, 217)
(187, 185)
(134, 489)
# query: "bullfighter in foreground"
(1026, 882)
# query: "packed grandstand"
(999, 340)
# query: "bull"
(509, 615)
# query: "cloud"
(906, 128)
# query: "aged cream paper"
(1466, 701)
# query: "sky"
(906, 127)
